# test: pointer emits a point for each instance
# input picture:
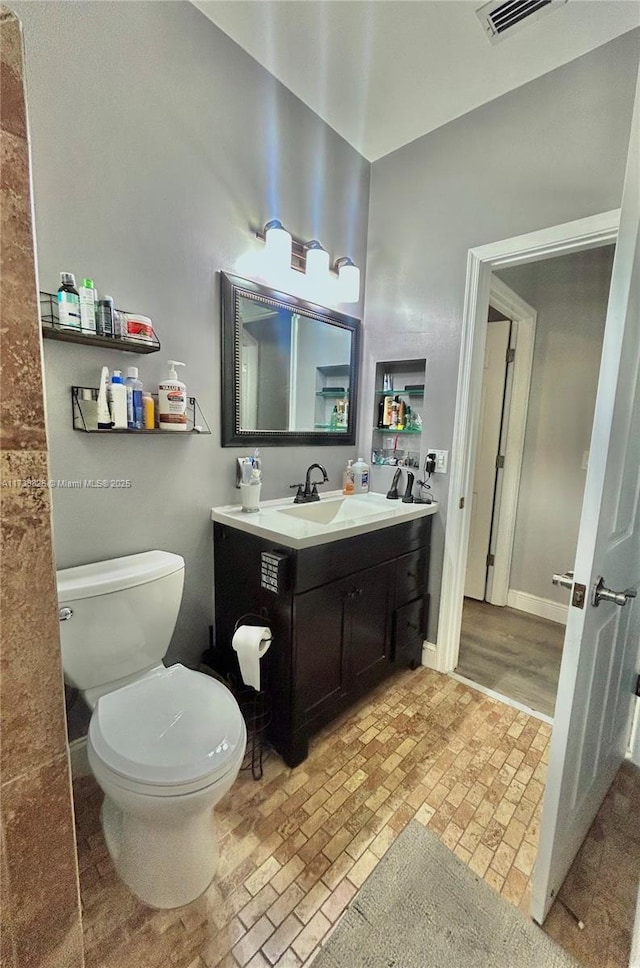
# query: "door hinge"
(461, 503)
(499, 462)
(511, 354)
(491, 560)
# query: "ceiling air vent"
(503, 17)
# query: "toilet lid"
(172, 727)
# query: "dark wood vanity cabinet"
(345, 614)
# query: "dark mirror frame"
(232, 287)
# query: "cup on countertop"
(250, 494)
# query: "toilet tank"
(123, 613)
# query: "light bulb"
(348, 280)
(278, 243)
(316, 261)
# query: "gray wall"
(158, 145)
(548, 152)
(570, 294)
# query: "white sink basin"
(322, 512)
(332, 518)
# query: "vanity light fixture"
(278, 242)
(311, 258)
(316, 260)
(348, 279)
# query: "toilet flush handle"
(65, 613)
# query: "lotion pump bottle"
(172, 401)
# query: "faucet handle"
(299, 498)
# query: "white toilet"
(165, 744)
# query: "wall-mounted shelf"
(51, 329)
(196, 422)
(400, 393)
(391, 431)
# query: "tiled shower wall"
(41, 925)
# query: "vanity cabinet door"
(319, 660)
(367, 624)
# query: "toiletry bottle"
(118, 401)
(348, 483)
(149, 410)
(104, 413)
(333, 425)
(395, 412)
(68, 302)
(401, 414)
(386, 422)
(361, 476)
(380, 422)
(88, 307)
(172, 401)
(105, 311)
(134, 399)
(408, 418)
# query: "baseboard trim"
(430, 655)
(79, 759)
(542, 607)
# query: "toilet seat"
(172, 732)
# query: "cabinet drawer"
(411, 577)
(408, 631)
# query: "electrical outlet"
(442, 459)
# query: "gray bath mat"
(423, 908)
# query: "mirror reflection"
(294, 367)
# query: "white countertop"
(352, 515)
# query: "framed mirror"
(289, 369)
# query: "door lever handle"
(565, 580)
(602, 594)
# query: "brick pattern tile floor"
(296, 846)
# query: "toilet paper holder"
(255, 706)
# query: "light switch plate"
(442, 460)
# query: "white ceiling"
(384, 72)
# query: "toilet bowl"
(164, 743)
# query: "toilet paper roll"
(251, 642)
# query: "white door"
(484, 477)
(591, 722)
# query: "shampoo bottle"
(149, 410)
(68, 302)
(88, 307)
(361, 476)
(172, 401)
(348, 482)
(133, 387)
(118, 401)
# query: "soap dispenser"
(348, 479)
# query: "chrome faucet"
(308, 491)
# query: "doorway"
(530, 469)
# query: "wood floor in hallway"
(511, 652)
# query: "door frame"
(524, 318)
(586, 233)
